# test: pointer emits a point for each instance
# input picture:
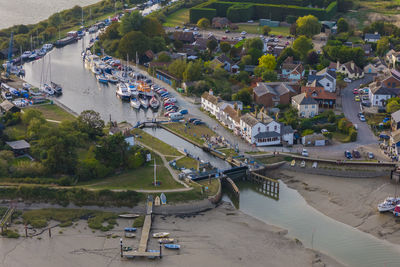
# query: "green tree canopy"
(342, 25)
(245, 95)
(193, 71)
(130, 22)
(255, 43)
(211, 45)
(203, 23)
(267, 61)
(133, 42)
(225, 47)
(382, 46)
(302, 45)
(308, 26)
(177, 67)
(152, 27)
(266, 30)
(90, 122)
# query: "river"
(32, 11)
(344, 243)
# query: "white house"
(264, 131)
(307, 106)
(392, 57)
(379, 94)
(209, 102)
(350, 69)
(324, 78)
(230, 117)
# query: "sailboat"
(56, 87)
(135, 103)
(154, 103)
(44, 87)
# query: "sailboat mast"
(155, 168)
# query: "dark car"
(198, 122)
(227, 31)
(193, 119)
(356, 154)
(348, 155)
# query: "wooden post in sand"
(160, 250)
(49, 232)
(120, 244)
(26, 230)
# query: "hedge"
(246, 11)
(276, 2)
(240, 12)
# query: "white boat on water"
(129, 215)
(123, 92)
(95, 70)
(47, 89)
(112, 78)
(154, 103)
(135, 103)
(389, 204)
(144, 102)
(26, 55)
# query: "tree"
(302, 45)
(178, 44)
(112, 151)
(130, 22)
(267, 61)
(292, 29)
(158, 44)
(55, 19)
(225, 47)
(393, 106)
(287, 52)
(90, 122)
(211, 45)
(203, 23)
(255, 55)
(266, 30)
(111, 32)
(177, 67)
(244, 95)
(382, 46)
(255, 43)
(269, 76)
(342, 25)
(163, 57)
(152, 27)
(30, 114)
(312, 57)
(246, 60)
(132, 43)
(193, 71)
(308, 26)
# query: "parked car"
(371, 155)
(324, 131)
(362, 118)
(243, 33)
(355, 91)
(348, 155)
(192, 119)
(356, 154)
(357, 98)
(177, 27)
(304, 153)
(366, 103)
(198, 122)
(347, 80)
(227, 31)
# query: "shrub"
(139, 221)
(10, 234)
(28, 168)
(353, 134)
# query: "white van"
(175, 116)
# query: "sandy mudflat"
(220, 237)
(352, 201)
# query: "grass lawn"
(213, 187)
(178, 18)
(256, 29)
(272, 159)
(141, 178)
(229, 152)
(194, 194)
(15, 132)
(187, 162)
(338, 136)
(53, 112)
(192, 132)
(156, 143)
(374, 119)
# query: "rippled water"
(31, 11)
(315, 230)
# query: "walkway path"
(173, 173)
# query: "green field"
(140, 178)
(156, 143)
(256, 29)
(187, 162)
(53, 112)
(177, 18)
(190, 131)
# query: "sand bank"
(220, 237)
(352, 201)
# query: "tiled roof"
(232, 113)
(275, 88)
(302, 99)
(353, 70)
(266, 135)
(249, 120)
(378, 89)
(319, 91)
(210, 98)
(396, 116)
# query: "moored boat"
(57, 88)
(144, 102)
(163, 199)
(129, 215)
(389, 204)
(130, 229)
(172, 246)
(166, 240)
(160, 235)
(396, 211)
(102, 79)
(47, 89)
(135, 103)
(122, 92)
(129, 235)
(154, 103)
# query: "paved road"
(351, 108)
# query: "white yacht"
(123, 92)
(389, 204)
(135, 103)
(144, 102)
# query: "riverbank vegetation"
(53, 112)
(195, 133)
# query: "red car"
(355, 91)
(280, 36)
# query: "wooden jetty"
(268, 186)
(144, 239)
(228, 181)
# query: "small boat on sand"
(129, 215)
(293, 163)
(163, 199)
(389, 204)
(166, 240)
(157, 201)
(126, 248)
(160, 235)
(172, 246)
(130, 229)
(129, 235)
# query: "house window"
(267, 128)
(306, 106)
(313, 106)
(388, 83)
(343, 69)
(275, 128)
(259, 129)
(327, 84)
(393, 85)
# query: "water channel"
(291, 212)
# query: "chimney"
(239, 113)
(211, 92)
(262, 117)
(352, 65)
(337, 65)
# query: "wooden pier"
(268, 186)
(228, 181)
(144, 239)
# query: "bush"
(139, 221)
(353, 134)
(10, 234)
(28, 168)
(240, 12)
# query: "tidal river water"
(32, 11)
(315, 230)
